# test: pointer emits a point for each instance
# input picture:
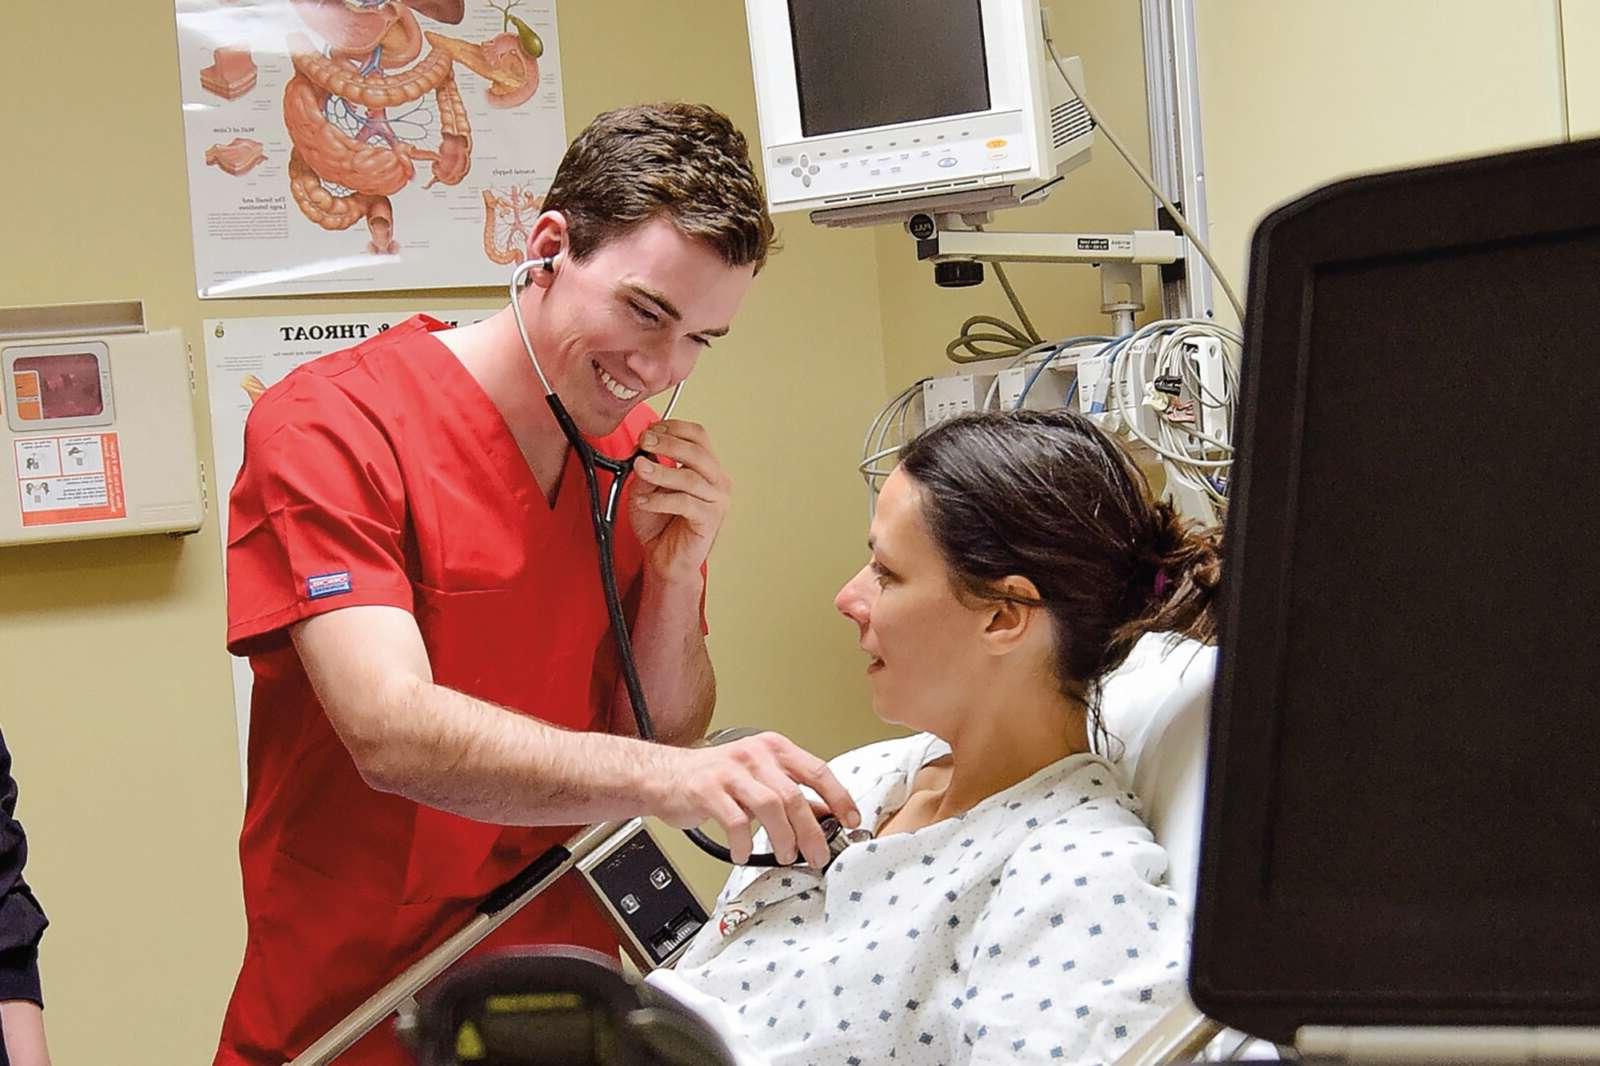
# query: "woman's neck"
(997, 744)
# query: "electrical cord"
(1016, 304)
(1177, 216)
(893, 415)
(1011, 340)
(991, 397)
(1044, 364)
(968, 346)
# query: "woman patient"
(1011, 906)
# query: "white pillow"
(1157, 704)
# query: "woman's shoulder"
(1085, 817)
(898, 754)
(1081, 789)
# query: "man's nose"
(660, 367)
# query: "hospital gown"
(1033, 928)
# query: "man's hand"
(677, 510)
(750, 781)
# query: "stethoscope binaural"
(604, 517)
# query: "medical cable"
(892, 415)
(964, 348)
(972, 346)
(1177, 216)
(603, 518)
(1162, 352)
(1194, 456)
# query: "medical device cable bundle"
(1137, 366)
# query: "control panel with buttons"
(852, 167)
(653, 909)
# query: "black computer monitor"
(1402, 821)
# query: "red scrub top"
(385, 475)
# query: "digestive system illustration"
(356, 112)
(508, 215)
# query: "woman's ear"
(1012, 619)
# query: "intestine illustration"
(507, 217)
(239, 156)
(355, 108)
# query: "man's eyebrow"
(659, 298)
(668, 307)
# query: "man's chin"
(595, 424)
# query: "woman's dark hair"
(1049, 497)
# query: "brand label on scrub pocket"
(320, 585)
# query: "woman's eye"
(882, 576)
(644, 315)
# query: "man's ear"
(547, 238)
(1010, 620)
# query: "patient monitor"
(870, 111)
(1401, 847)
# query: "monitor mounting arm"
(958, 254)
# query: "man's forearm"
(462, 755)
(674, 667)
(23, 1025)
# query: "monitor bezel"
(1540, 192)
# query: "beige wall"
(114, 691)
(1580, 31)
(1299, 94)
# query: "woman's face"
(923, 643)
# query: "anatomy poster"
(244, 357)
(359, 145)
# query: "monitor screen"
(1440, 668)
(868, 63)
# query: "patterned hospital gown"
(1033, 928)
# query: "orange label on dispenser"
(25, 384)
(72, 478)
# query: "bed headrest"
(1157, 704)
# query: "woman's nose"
(852, 600)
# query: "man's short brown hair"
(686, 162)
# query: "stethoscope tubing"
(603, 518)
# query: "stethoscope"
(603, 516)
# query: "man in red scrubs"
(412, 572)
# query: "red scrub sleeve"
(317, 517)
